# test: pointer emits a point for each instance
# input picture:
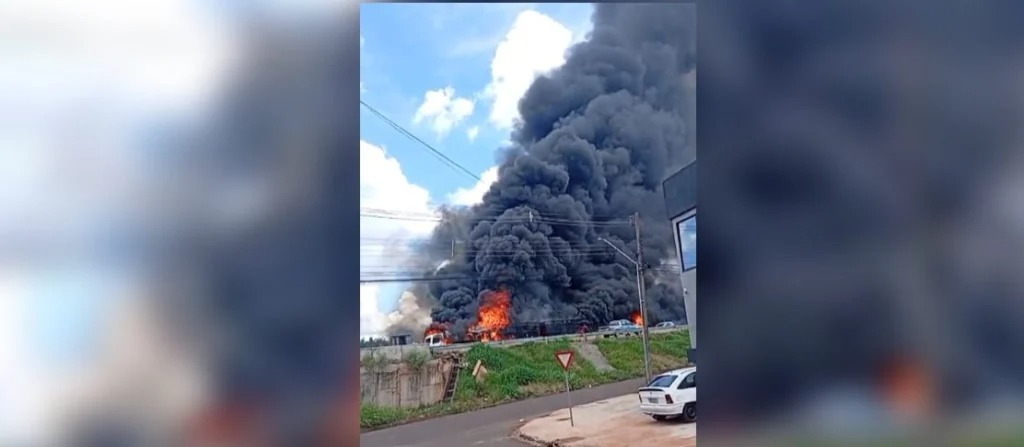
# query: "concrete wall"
(394, 353)
(397, 385)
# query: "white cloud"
(443, 109)
(384, 243)
(534, 45)
(371, 318)
(472, 133)
(473, 195)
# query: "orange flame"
(637, 318)
(494, 316)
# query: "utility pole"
(642, 294)
(640, 289)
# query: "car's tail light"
(668, 399)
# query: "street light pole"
(640, 296)
(642, 292)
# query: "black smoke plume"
(596, 139)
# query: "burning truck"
(494, 322)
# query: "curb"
(532, 440)
(522, 437)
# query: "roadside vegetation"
(530, 370)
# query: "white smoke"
(412, 315)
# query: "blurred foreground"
(168, 179)
(862, 223)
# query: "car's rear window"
(662, 381)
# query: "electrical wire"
(538, 218)
(444, 158)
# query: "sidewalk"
(615, 422)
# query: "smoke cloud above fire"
(595, 140)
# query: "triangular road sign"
(564, 358)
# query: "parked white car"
(670, 395)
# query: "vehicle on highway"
(620, 326)
(671, 395)
(435, 340)
(666, 324)
(439, 334)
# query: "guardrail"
(519, 341)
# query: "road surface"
(490, 427)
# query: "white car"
(434, 340)
(670, 395)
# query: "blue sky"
(439, 45)
(451, 74)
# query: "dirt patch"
(593, 354)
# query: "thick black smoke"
(597, 138)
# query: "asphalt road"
(490, 427)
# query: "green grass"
(524, 370)
(375, 416)
(626, 355)
(530, 369)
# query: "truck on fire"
(436, 339)
(440, 334)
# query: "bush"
(518, 375)
(372, 416)
(416, 360)
(373, 362)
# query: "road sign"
(565, 359)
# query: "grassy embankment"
(530, 369)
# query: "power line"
(499, 219)
(374, 253)
(385, 277)
(374, 212)
(413, 279)
(381, 241)
(444, 158)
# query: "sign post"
(565, 359)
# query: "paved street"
(611, 422)
(488, 427)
